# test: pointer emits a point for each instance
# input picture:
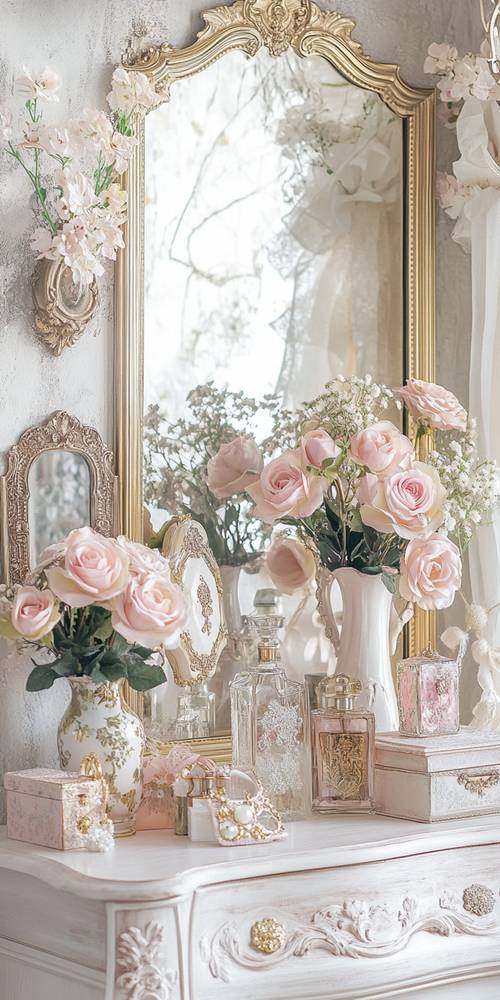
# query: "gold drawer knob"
(478, 784)
(83, 824)
(267, 935)
(479, 900)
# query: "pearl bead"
(228, 830)
(244, 814)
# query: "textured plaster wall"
(82, 39)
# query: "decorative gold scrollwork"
(478, 784)
(267, 935)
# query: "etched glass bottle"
(343, 748)
(269, 723)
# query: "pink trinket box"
(52, 808)
(428, 695)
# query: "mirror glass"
(59, 498)
(274, 261)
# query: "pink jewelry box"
(52, 808)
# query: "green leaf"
(65, 665)
(104, 631)
(156, 540)
(144, 652)
(372, 570)
(119, 646)
(355, 522)
(41, 677)
(143, 676)
(113, 671)
(391, 582)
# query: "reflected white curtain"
(344, 237)
(478, 133)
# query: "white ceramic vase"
(231, 656)
(367, 636)
(98, 721)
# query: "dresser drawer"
(355, 931)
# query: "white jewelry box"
(437, 778)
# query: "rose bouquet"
(81, 213)
(356, 488)
(98, 607)
(204, 466)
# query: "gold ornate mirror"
(281, 229)
(59, 476)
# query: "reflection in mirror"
(273, 243)
(274, 261)
(59, 498)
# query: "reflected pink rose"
(285, 489)
(34, 612)
(409, 503)
(382, 448)
(434, 404)
(290, 564)
(236, 465)
(431, 572)
(151, 611)
(317, 445)
(95, 569)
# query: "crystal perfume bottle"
(343, 748)
(269, 722)
(195, 713)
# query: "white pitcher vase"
(367, 636)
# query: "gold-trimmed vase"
(99, 721)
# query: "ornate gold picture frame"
(62, 432)
(301, 25)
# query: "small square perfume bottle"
(343, 748)
(428, 695)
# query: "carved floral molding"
(358, 929)
(138, 954)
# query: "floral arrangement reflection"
(203, 466)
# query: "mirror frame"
(61, 432)
(248, 25)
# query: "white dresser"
(346, 908)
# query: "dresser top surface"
(159, 865)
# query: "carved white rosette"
(138, 954)
(357, 929)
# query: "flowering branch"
(81, 216)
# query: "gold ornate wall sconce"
(62, 308)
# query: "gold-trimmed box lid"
(432, 754)
(49, 783)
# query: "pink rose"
(34, 612)
(316, 445)
(410, 502)
(143, 559)
(236, 465)
(434, 404)
(151, 611)
(290, 564)
(285, 489)
(382, 448)
(95, 569)
(431, 572)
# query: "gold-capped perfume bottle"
(269, 722)
(343, 748)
